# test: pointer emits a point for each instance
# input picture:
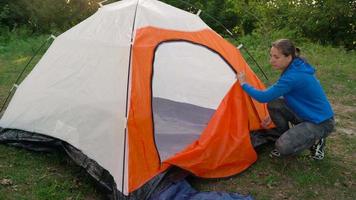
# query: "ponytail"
(297, 52)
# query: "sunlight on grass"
(21, 60)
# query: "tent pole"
(254, 60)
(23, 70)
(127, 98)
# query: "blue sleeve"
(283, 86)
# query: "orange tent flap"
(224, 147)
(257, 111)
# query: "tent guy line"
(15, 85)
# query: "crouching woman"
(296, 98)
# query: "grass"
(32, 175)
(293, 178)
(27, 175)
(297, 177)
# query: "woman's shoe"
(317, 150)
(275, 153)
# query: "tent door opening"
(186, 91)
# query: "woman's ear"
(290, 58)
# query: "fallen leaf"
(6, 181)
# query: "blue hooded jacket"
(301, 90)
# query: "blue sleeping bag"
(182, 190)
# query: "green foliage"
(323, 21)
(4, 13)
(219, 15)
(45, 15)
(327, 22)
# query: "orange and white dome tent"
(138, 87)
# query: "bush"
(329, 22)
(45, 16)
(325, 22)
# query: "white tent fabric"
(75, 92)
(180, 74)
(158, 14)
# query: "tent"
(136, 88)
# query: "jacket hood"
(300, 65)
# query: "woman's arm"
(280, 88)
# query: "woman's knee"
(295, 140)
(284, 147)
(275, 104)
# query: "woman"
(296, 98)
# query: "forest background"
(322, 21)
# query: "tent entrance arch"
(229, 125)
(182, 88)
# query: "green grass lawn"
(26, 175)
(33, 175)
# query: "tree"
(45, 15)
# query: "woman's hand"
(266, 122)
(241, 77)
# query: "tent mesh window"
(186, 91)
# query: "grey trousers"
(293, 135)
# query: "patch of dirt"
(343, 109)
(345, 117)
(347, 131)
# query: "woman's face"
(278, 60)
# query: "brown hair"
(286, 47)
